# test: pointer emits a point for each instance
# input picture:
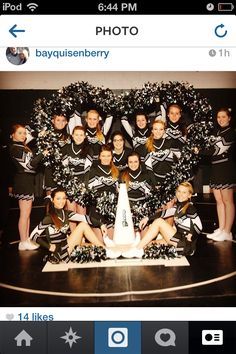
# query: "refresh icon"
(220, 31)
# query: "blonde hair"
(149, 144)
(99, 134)
(190, 189)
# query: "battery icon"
(225, 6)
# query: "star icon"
(70, 337)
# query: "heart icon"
(9, 316)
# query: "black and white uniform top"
(138, 136)
(48, 230)
(140, 184)
(49, 183)
(26, 163)
(187, 223)
(71, 158)
(91, 133)
(100, 179)
(174, 133)
(120, 160)
(222, 152)
(161, 160)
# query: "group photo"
(118, 188)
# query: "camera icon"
(117, 337)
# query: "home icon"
(23, 339)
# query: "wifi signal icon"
(32, 6)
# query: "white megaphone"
(124, 228)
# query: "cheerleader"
(187, 225)
(77, 157)
(120, 151)
(160, 155)
(59, 123)
(95, 134)
(139, 182)
(23, 185)
(103, 178)
(53, 233)
(223, 175)
(175, 130)
(139, 133)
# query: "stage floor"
(210, 280)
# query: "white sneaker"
(108, 242)
(133, 253)
(27, 245)
(215, 233)
(223, 236)
(112, 254)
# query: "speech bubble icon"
(165, 337)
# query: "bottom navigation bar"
(130, 337)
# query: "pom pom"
(157, 251)
(81, 96)
(86, 254)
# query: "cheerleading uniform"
(47, 230)
(140, 184)
(174, 133)
(100, 180)
(71, 158)
(161, 160)
(26, 164)
(93, 140)
(138, 136)
(49, 183)
(120, 160)
(186, 223)
(223, 169)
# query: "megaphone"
(124, 228)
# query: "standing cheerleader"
(103, 178)
(59, 123)
(95, 135)
(187, 225)
(53, 233)
(160, 155)
(175, 130)
(23, 186)
(139, 133)
(77, 156)
(223, 174)
(120, 151)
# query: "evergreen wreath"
(81, 96)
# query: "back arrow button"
(13, 31)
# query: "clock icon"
(210, 6)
